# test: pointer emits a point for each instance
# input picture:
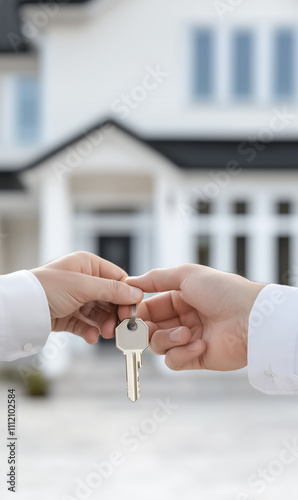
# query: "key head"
(132, 339)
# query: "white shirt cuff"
(25, 321)
(273, 341)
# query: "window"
(203, 207)
(27, 112)
(284, 64)
(203, 63)
(242, 64)
(284, 208)
(283, 244)
(240, 244)
(203, 250)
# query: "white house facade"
(153, 133)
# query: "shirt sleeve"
(25, 321)
(273, 341)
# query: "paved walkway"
(191, 435)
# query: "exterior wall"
(87, 62)
(93, 60)
(262, 225)
(92, 57)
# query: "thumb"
(161, 280)
(89, 288)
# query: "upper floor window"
(284, 64)
(27, 109)
(242, 64)
(203, 63)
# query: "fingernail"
(176, 335)
(194, 346)
(135, 293)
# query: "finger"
(154, 309)
(161, 280)
(103, 317)
(156, 318)
(166, 310)
(163, 340)
(187, 357)
(81, 328)
(90, 288)
(96, 314)
(124, 312)
(91, 264)
(107, 328)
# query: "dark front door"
(116, 249)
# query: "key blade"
(132, 376)
(132, 343)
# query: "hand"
(83, 291)
(202, 319)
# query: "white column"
(55, 240)
(223, 252)
(56, 223)
(3, 236)
(141, 246)
(261, 251)
(293, 270)
(168, 230)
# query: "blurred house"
(153, 133)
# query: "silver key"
(132, 338)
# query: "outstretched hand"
(83, 292)
(201, 319)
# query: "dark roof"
(186, 154)
(10, 28)
(194, 154)
(11, 38)
(62, 2)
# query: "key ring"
(132, 322)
